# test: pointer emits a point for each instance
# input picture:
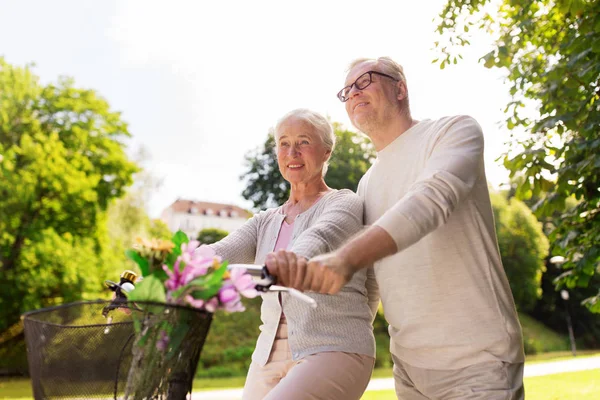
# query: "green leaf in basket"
(178, 239)
(208, 286)
(176, 337)
(149, 289)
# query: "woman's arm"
(341, 219)
(240, 246)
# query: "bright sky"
(201, 82)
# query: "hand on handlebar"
(269, 282)
(326, 273)
(289, 268)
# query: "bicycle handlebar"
(267, 282)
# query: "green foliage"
(538, 338)
(551, 53)
(230, 342)
(552, 309)
(265, 186)
(62, 163)
(523, 247)
(351, 158)
(383, 358)
(211, 235)
(158, 229)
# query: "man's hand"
(328, 273)
(289, 268)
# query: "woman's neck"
(303, 192)
(302, 197)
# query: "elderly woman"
(304, 353)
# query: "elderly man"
(453, 324)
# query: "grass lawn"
(567, 386)
(582, 385)
(534, 359)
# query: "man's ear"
(402, 90)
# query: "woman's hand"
(289, 268)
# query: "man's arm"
(328, 273)
(341, 218)
(449, 176)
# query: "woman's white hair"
(321, 125)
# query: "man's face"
(368, 108)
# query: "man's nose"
(353, 91)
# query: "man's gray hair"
(388, 66)
(322, 127)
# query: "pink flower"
(230, 298)
(243, 283)
(163, 342)
(196, 262)
(205, 251)
(210, 305)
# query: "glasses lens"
(343, 94)
(363, 81)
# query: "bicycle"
(88, 350)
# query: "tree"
(211, 235)
(551, 53)
(63, 162)
(523, 248)
(127, 218)
(265, 186)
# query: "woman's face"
(301, 154)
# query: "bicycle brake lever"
(266, 279)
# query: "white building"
(193, 216)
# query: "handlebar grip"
(297, 294)
(267, 280)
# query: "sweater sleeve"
(240, 245)
(341, 218)
(453, 168)
(373, 296)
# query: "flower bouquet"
(172, 305)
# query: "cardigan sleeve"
(240, 246)
(340, 219)
(453, 168)
(373, 296)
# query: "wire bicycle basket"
(150, 353)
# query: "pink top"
(283, 240)
(285, 234)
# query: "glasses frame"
(343, 99)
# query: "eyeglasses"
(361, 83)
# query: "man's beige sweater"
(445, 293)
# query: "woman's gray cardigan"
(341, 322)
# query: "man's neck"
(396, 126)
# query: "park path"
(538, 369)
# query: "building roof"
(207, 208)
